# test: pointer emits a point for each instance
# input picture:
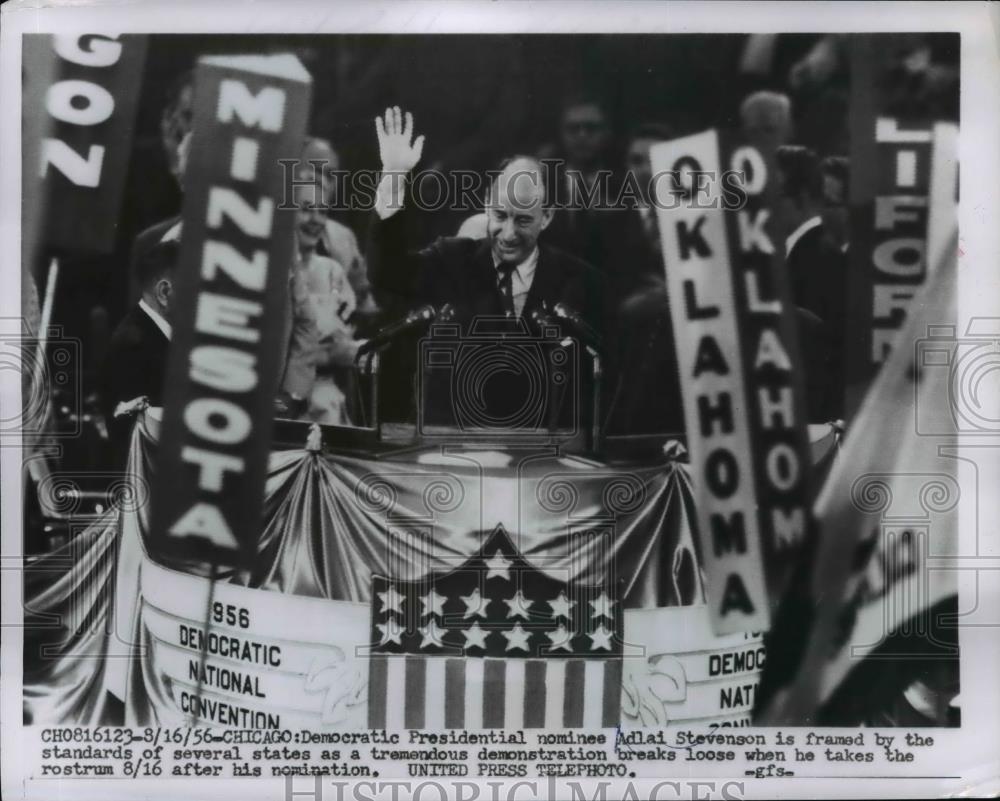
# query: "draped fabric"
(332, 521)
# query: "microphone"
(577, 325)
(388, 333)
(540, 318)
(447, 313)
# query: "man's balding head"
(517, 209)
(766, 118)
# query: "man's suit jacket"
(297, 370)
(642, 367)
(817, 273)
(136, 365)
(460, 271)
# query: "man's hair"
(158, 262)
(582, 97)
(175, 89)
(310, 140)
(541, 167)
(838, 167)
(764, 99)
(800, 167)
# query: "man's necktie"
(506, 287)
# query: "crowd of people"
(603, 240)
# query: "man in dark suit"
(508, 274)
(137, 354)
(646, 393)
(817, 271)
(145, 241)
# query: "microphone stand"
(373, 358)
(583, 334)
(597, 370)
(372, 366)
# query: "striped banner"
(416, 692)
(494, 644)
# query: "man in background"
(645, 393)
(175, 137)
(332, 302)
(336, 239)
(582, 185)
(836, 174)
(137, 354)
(766, 121)
(817, 272)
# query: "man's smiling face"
(516, 211)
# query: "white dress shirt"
(521, 278)
(156, 317)
(801, 231)
(522, 275)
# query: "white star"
(392, 630)
(474, 604)
(518, 605)
(517, 637)
(560, 638)
(602, 606)
(432, 634)
(561, 606)
(433, 603)
(391, 600)
(475, 637)
(499, 567)
(600, 638)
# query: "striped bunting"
(417, 692)
(495, 643)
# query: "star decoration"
(561, 606)
(560, 638)
(600, 638)
(517, 638)
(518, 605)
(391, 600)
(432, 634)
(499, 567)
(391, 630)
(475, 637)
(602, 606)
(433, 603)
(474, 604)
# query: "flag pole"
(38, 368)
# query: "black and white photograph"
(435, 398)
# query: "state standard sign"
(737, 350)
(226, 351)
(83, 92)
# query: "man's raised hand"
(394, 132)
